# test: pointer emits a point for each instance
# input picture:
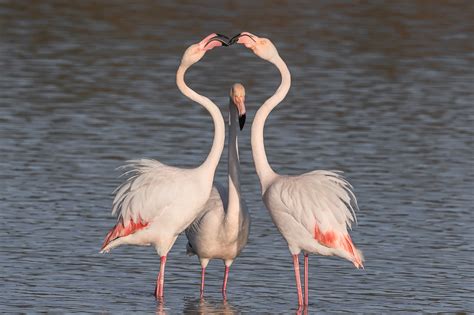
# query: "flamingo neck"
(233, 206)
(212, 160)
(264, 171)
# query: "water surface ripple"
(381, 90)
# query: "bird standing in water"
(222, 231)
(312, 211)
(150, 204)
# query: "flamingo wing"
(151, 187)
(323, 202)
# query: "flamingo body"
(208, 236)
(312, 212)
(151, 206)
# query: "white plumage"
(153, 195)
(211, 237)
(151, 188)
(308, 206)
(326, 195)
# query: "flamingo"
(222, 231)
(312, 211)
(158, 201)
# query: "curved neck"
(210, 164)
(264, 171)
(233, 205)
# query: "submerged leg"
(161, 278)
(224, 283)
(306, 270)
(203, 274)
(296, 264)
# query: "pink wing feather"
(324, 203)
(121, 230)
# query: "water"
(382, 91)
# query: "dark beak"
(220, 38)
(235, 38)
(242, 121)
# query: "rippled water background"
(381, 90)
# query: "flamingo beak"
(214, 40)
(242, 121)
(249, 40)
(239, 101)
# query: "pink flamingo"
(159, 202)
(312, 211)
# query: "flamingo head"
(195, 52)
(260, 46)
(237, 97)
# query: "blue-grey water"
(381, 90)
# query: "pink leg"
(157, 287)
(203, 274)
(306, 279)
(296, 264)
(224, 284)
(161, 278)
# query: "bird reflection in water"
(302, 310)
(205, 306)
(160, 307)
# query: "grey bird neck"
(233, 162)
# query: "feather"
(324, 204)
(149, 187)
(121, 230)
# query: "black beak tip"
(242, 121)
(222, 35)
(234, 39)
(221, 38)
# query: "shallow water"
(382, 91)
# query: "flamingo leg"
(203, 274)
(157, 286)
(296, 264)
(306, 270)
(161, 278)
(224, 284)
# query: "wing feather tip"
(332, 240)
(121, 230)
